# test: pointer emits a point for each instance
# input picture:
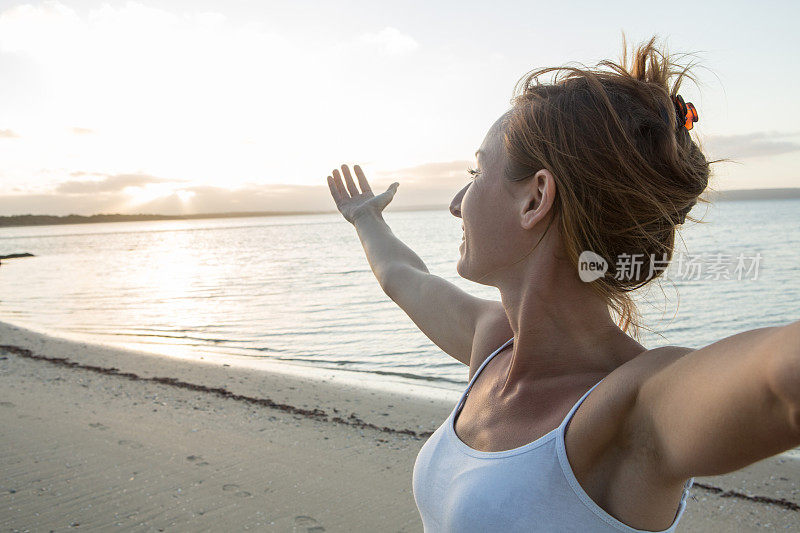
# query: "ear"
(537, 200)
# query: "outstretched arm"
(447, 315)
(363, 209)
(720, 408)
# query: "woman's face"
(487, 209)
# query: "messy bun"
(627, 171)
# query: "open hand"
(352, 203)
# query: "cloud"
(186, 200)
(237, 79)
(8, 134)
(114, 183)
(55, 204)
(444, 174)
(756, 144)
(79, 173)
(431, 184)
(391, 40)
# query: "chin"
(462, 269)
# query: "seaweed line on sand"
(316, 414)
(757, 499)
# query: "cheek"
(478, 206)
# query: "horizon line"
(28, 219)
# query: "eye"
(473, 173)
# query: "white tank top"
(530, 488)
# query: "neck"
(562, 329)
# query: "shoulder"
(640, 368)
(622, 385)
(612, 462)
(491, 332)
(602, 424)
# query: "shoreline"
(98, 436)
(429, 389)
(262, 381)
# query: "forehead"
(494, 138)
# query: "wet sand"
(99, 437)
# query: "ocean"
(298, 291)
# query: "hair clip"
(686, 112)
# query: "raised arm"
(447, 315)
(725, 406)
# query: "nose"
(455, 205)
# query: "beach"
(97, 437)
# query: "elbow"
(391, 278)
(396, 278)
(388, 280)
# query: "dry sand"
(95, 437)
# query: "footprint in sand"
(130, 444)
(7, 404)
(197, 460)
(97, 425)
(234, 488)
(307, 522)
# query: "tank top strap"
(475, 376)
(571, 412)
(686, 487)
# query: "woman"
(598, 160)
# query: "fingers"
(337, 196)
(387, 196)
(337, 180)
(338, 190)
(362, 180)
(351, 186)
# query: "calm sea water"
(298, 289)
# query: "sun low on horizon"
(171, 108)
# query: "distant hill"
(753, 194)
(46, 220)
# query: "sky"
(200, 107)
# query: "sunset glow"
(241, 97)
